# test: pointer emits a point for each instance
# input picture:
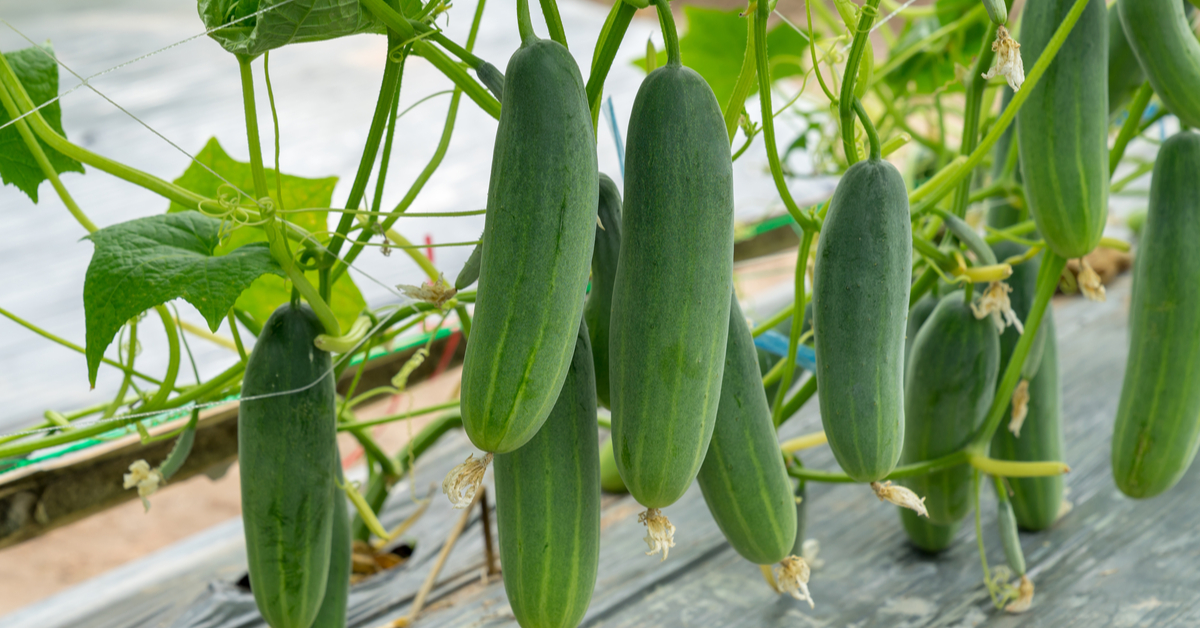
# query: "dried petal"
(1024, 598)
(1020, 408)
(792, 576)
(1089, 282)
(994, 301)
(464, 480)
(435, 292)
(146, 480)
(809, 550)
(900, 496)
(660, 534)
(1008, 60)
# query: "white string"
(135, 60)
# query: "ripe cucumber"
(548, 506)
(860, 302)
(337, 589)
(1124, 73)
(287, 450)
(1158, 419)
(1062, 130)
(604, 270)
(540, 230)
(949, 388)
(670, 310)
(1165, 46)
(743, 478)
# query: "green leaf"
(38, 72)
(148, 261)
(293, 22)
(715, 43)
(933, 68)
(269, 292)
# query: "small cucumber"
(949, 387)
(1009, 538)
(1124, 73)
(860, 302)
(743, 478)
(924, 534)
(1158, 419)
(470, 271)
(337, 590)
(670, 310)
(548, 506)
(540, 230)
(287, 451)
(610, 477)
(604, 271)
(801, 518)
(1062, 130)
(1161, 37)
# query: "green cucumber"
(1001, 212)
(860, 302)
(1162, 39)
(1009, 538)
(287, 450)
(548, 507)
(470, 270)
(801, 494)
(604, 270)
(924, 534)
(950, 385)
(610, 477)
(743, 478)
(540, 230)
(1158, 419)
(337, 589)
(1124, 73)
(670, 310)
(916, 318)
(1062, 130)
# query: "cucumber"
(916, 318)
(610, 477)
(1161, 37)
(1001, 211)
(470, 271)
(539, 229)
(743, 478)
(670, 310)
(1062, 130)
(287, 450)
(860, 302)
(1158, 419)
(1011, 541)
(949, 388)
(337, 590)
(924, 534)
(548, 506)
(801, 518)
(1124, 73)
(604, 270)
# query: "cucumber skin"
(670, 312)
(916, 318)
(925, 535)
(337, 589)
(1062, 130)
(950, 386)
(1001, 213)
(287, 450)
(743, 478)
(860, 303)
(1158, 419)
(1125, 74)
(548, 507)
(539, 230)
(598, 308)
(1158, 32)
(610, 477)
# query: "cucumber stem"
(745, 81)
(670, 35)
(906, 471)
(606, 51)
(1014, 469)
(846, 108)
(525, 23)
(1130, 128)
(872, 134)
(172, 332)
(789, 364)
(970, 133)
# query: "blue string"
(616, 133)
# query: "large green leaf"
(38, 72)
(148, 261)
(293, 22)
(714, 43)
(269, 292)
(933, 68)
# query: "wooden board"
(1110, 562)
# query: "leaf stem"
(1129, 129)
(356, 425)
(745, 82)
(789, 365)
(164, 391)
(906, 471)
(611, 35)
(793, 405)
(554, 21)
(970, 133)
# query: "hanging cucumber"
(860, 302)
(1062, 130)
(470, 271)
(337, 589)
(743, 478)
(1158, 419)
(916, 318)
(540, 230)
(548, 506)
(1001, 210)
(604, 269)
(1162, 39)
(670, 311)
(926, 535)
(1124, 73)
(287, 450)
(610, 477)
(949, 388)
